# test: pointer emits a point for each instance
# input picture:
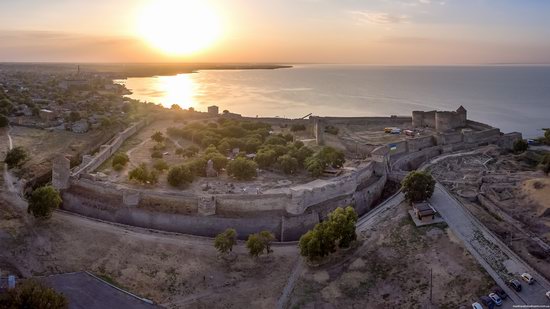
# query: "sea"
(512, 98)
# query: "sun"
(179, 27)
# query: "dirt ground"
(509, 195)
(175, 271)
(138, 149)
(391, 269)
(42, 146)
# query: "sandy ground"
(391, 269)
(42, 145)
(174, 270)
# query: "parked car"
(515, 285)
(476, 306)
(527, 278)
(487, 301)
(495, 298)
(500, 292)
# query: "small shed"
(424, 210)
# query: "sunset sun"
(179, 28)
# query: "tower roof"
(461, 109)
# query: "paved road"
(499, 261)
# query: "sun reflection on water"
(180, 90)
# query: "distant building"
(213, 110)
(46, 115)
(74, 84)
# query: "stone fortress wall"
(442, 121)
(288, 214)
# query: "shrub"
(191, 151)
(16, 157)
(158, 137)
(418, 186)
(143, 175)
(219, 160)
(225, 241)
(157, 154)
(120, 159)
(118, 167)
(544, 163)
(288, 164)
(3, 121)
(298, 144)
(32, 294)
(180, 151)
(160, 165)
(242, 168)
(275, 140)
(520, 146)
(252, 145)
(297, 127)
(301, 154)
(180, 175)
(197, 166)
(266, 158)
(43, 201)
(159, 146)
(314, 166)
(331, 157)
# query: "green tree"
(266, 158)
(301, 154)
(288, 164)
(314, 166)
(255, 245)
(160, 165)
(143, 175)
(275, 140)
(16, 157)
(520, 146)
(120, 158)
(180, 175)
(158, 137)
(418, 186)
(342, 222)
(331, 157)
(225, 241)
(242, 168)
(3, 121)
(32, 294)
(219, 160)
(43, 201)
(339, 228)
(267, 238)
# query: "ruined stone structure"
(288, 213)
(318, 130)
(441, 121)
(61, 172)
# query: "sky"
(384, 32)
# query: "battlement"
(442, 121)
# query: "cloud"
(373, 17)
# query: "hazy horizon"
(376, 32)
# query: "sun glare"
(179, 27)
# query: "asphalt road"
(497, 259)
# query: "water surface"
(513, 98)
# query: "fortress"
(290, 211)
(441, 121)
